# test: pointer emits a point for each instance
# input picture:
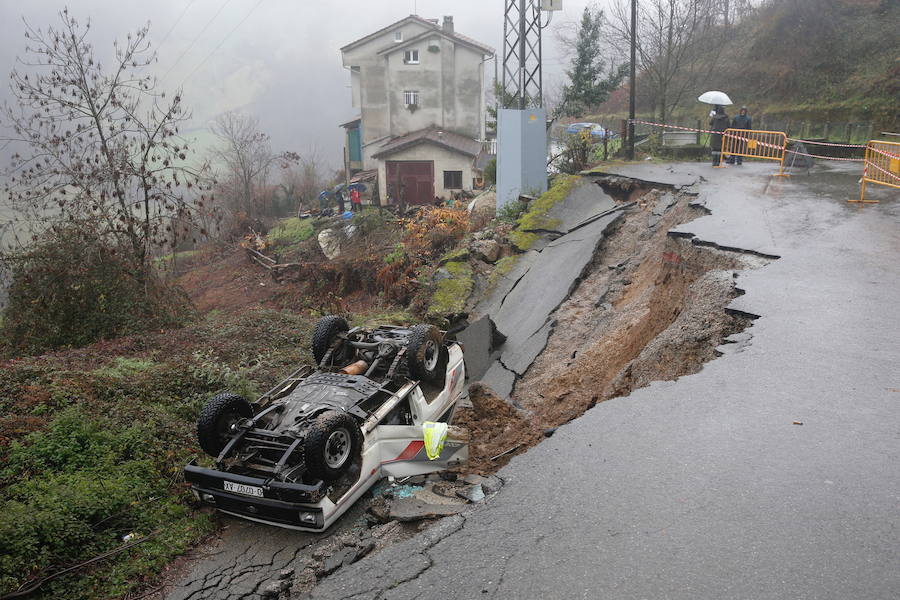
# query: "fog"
(276, 59)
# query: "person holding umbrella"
(718, 123)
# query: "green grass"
(93, 443)
(291, 231)
(536, 216)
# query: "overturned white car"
(302, 453)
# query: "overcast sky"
(276, 59)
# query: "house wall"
(372, 81)
(450, 83)
(444, 160)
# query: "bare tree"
(247, 157)
(100, 146)
(302, 182)
(677, 43)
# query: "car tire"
(426, 355)
(216, 421)
(333, 442)
(323, 336)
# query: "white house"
(419, 89)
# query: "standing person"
(741, 121)
(339, 196)
(718, 122)
(355, 200)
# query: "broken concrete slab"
(524, 314)
(481, 340)
(585, 199)
(412, 509)
(500, 379)
(678, 175)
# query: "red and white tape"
(811, 142)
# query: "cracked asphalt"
(772, 473)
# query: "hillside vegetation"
(811, 60)
(835, 59)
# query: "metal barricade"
(882, 166)
(769, 145)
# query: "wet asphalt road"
(705, 487)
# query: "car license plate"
(240, 488)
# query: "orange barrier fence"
(769, 145)
(882, 166)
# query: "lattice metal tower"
(522, 77)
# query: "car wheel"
(333, 441)
(426, 354)
(323, 336)
(218, 421)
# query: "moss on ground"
(291, 231)
(501, 269)
(536, 216)
(451, 294)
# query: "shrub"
(73, 288)
(368, 221)
(490, 172)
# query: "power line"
(197, 37)
(177, 21)
(214, 50)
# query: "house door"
(411, 180)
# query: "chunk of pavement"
(500, 379)
(525, 312)
(472, 493)
(474, 479)
(447, 489)
(272, 589)
(285, 573)
(480, 340)
(548, 432)
(491, 485)
(585, 200)
(741, 336)
(411, 509)
(345, 556)
(486, 250)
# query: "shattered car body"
(305, 451)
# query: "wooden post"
(825, 133)
(605, 143)
(698, 131)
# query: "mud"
(651, 307)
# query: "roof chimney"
(448, 24)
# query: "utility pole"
(632, 82)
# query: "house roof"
(431, 135)
(455, 37)
(371, 36)
(351, 123)
(432, 28)
(369, 175)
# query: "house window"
(411, 98)
(411, 57)
(398, 36)
(452, 180)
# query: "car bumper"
(295, 506)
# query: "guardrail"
(882, 167)
(769, 145)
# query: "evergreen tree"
(588, 85)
